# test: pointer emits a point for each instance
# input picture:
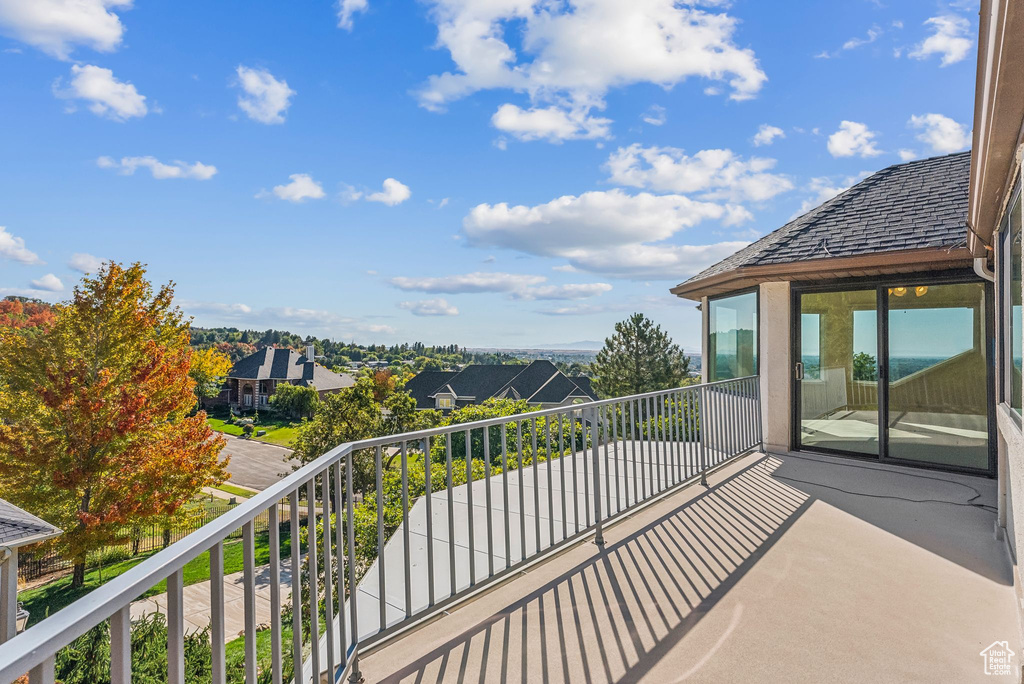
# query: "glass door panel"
(839, 384)
(937, 391)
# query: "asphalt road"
(255, 464)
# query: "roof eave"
(875, 263)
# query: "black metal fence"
(137, 540)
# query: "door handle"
(799, 370)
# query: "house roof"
(271, 363)
(540, 382)
(18, 527)
(919, 205)
(422, 386)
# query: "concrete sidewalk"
(197, 601)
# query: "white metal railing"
(469, 523)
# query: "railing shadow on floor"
(613, 617)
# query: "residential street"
(255, 464)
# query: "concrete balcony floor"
(790, 568)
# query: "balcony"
(651, 539)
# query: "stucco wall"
(775, 364)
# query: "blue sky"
(489, 173)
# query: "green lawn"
(235, 491)
(280, 432)
(51, 597)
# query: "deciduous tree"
(96, 428)
(208, 368)
(295, 400)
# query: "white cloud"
(158, 169)
(48, 282)
(907, 155)
(573, 53)
(443, 203)
(57, 26)
(196, 307)
(468, 283)
(607, 232)
(85, 263)
(430, 307)
(301, 320)
(655, 115)
(736, 214)
(349, 8)
(717, 174)
(853, 139)
(950, 39)
(301, 188)
(941, 133)
(393, 193)
(106, 95)
(872, 35)
(549, 123)
(13, 248)
(563, 292)
(265, 98)
(767, 134)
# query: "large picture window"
(732, 336)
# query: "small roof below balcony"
(18, 527)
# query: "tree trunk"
(78, 578)
(167, 537)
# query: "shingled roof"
(18, 527)
(540, 382)
(919, 205)
(271, 363)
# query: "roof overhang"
(829, 268)
(998, 118)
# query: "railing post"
(702, 413)
(599, 532)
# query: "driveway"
(256, 464)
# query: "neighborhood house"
(252, 380)
(540, 384)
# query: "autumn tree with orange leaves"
(96, 422)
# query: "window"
(1010, 255)
(445, 402)
(732, 336)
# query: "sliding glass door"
(897, 371)
(837, 371)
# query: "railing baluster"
(175, 628)
(551, 485)
(451, 513)
(594, 439)
(406, 561)
(632, 449)
(522, 492)
(296, 544)
(121, 646)
(325, 496)
(586, 425)
(428, 485)
(217, 655)
(504, 487)
(469, 507)
(381, 574)
(314, 589)
(342, 498)
(536, 484)
(249, 600)
(353, 603)
(615, 449)
(575, 474)
(603, 423)
(43, 672)
(274, 539)
(561, 473)
(487, 501)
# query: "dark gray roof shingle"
(271, 363)
(917, 205)
(540, 382)
(19, 527)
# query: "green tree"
(864, 367)
(295, 400)
(639, 357)
(207, 369)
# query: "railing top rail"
(35, 645)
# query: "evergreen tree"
(639, 357)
